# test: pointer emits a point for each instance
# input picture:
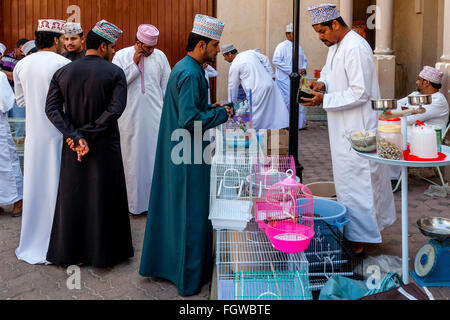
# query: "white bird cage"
(231, 195)
(249, 268)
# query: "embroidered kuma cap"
(228, 48)
(72, 29)
(290, 28)
(148, 34)
(432, 74)
(208, 27)
(323, 13)
(107, 30)
(28, 46)
(51, 25)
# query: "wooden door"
(174, 18)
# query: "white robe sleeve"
(211, 72)
(233, 83)
(18, 89)
(359, 78)
(165, 74)
(128, 66)
(279, 62)
(402, 103)
(6, 94)
(438, 109)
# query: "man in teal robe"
(178, 238)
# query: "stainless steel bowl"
(420, 100)
(384, 104)
(435, 228)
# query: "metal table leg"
(405, 226)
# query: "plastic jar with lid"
(394, 122)
(390, 142)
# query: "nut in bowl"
(364, 141)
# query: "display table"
(405, 165)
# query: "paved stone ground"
(19, 280)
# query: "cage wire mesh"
(230, 193)
(237, 137)
(290, 224)
(330, 255)
(249, 268)
(269, 171)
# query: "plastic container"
(235, 218)
(395, 122)
(424, 142)
(364, 141)
(289, 237)
(322, 190)
(330, 212)
(390, 142)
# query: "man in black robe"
(74, 41)
(85, 100)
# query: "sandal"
(357, 248)
(17, 206)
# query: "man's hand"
(71, 144)
(302, 72)
(316, 101)
(82, 149)
(316, 86)
(138, 54)
(230, 111)
(216, 105)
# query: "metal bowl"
(420, 100)
(435, 228)
(384, 104)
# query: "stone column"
(444, 64)
(346, 11)
(384, 52)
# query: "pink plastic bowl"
(289, 237)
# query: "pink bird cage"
(289, 216)
(268, 172)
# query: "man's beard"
(327, 43)
(207, 58)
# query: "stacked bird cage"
(230, 195)
(290, 224)
(237, 137)
(249, 268)
(330, 255)
(268, 172)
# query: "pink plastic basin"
(289, 237)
